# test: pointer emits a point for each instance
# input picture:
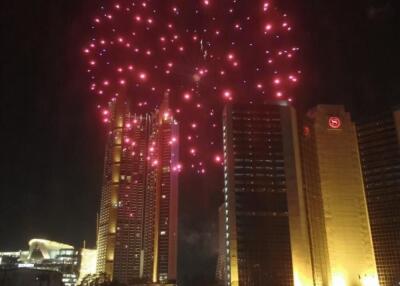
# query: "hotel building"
(339, 228)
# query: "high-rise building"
(266, 237)
(379, 142)
(342, 250)
(137, 236)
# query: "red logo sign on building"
(306, 131)
(334, 122)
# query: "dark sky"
(52, 141)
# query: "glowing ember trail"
(203, 53)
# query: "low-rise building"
(46, 255)
(21, 276)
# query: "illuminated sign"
(306, 131)
(334, 122)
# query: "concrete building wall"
(342, 242)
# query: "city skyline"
(315, 233)
(53, 146)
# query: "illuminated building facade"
(88, 259)
(342, 250)
(266, 237)
(46, 257)
(379, 145)
(221, 260)
(137, 237)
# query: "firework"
(204, 53)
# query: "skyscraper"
(137, 237)
(342, 251)
(379, 141)
(266, 238)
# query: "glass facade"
(379, 144)
(259, 164)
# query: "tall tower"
(342, 251)
(379, 141)
(137, 239)
(265, 217)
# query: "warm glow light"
(88, 263)
(166, 115)
(369, 280)
(338, 280)
(297, 281)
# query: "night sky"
(52, 143)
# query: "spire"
(165, 103)
(120, 108)
(164, 112)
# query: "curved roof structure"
(45, 249)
